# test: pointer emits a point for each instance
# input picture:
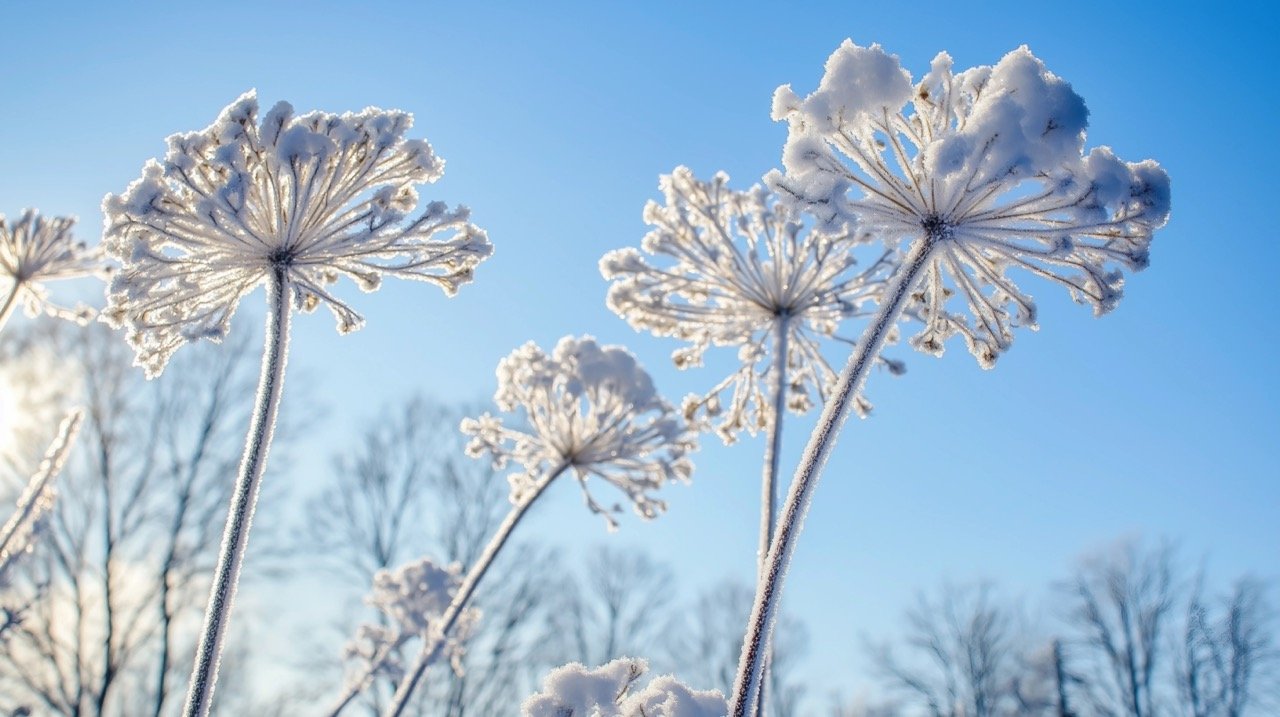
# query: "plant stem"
(432, 646)
(235, 538)
(769, 482)
(823, 439)
(10, 302)
(31, 502)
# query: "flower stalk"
(769, 481)
(10, 302)
(38, 496)
(432, 646)
(751, 664)
(235, 538)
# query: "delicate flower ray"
(608, 691)
(989, 165)
(593, 408)
(37, 498)
(743, 266)
(36, 249)
(414, 597)
(315, 195)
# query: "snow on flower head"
(988, 165)
(591, 408)
(609, 691)
(742, 267)
(37, 249)
(308, 197)
(413, 597)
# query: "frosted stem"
(15, 536)
(769, 482)
(10, 302)
(823, 439)
(235, 538)
(432, 646)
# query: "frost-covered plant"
(292, 202)
(37, 498)
(744, 271)
(37, 249)
(414, 599)
(589, 408)
(297, 200)
(573, 690)
(977, 174)
(740, 269)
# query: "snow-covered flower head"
(413, 597)
(308, 197)
(743, 268)
(573, 690)
(37, 249)
(989, 166)
(591, 408)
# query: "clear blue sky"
(556, 120)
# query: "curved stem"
(823, 439)
(10, 303)
(432, 647)
(769, 482)
(235, 538)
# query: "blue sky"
(556, 119)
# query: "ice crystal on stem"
(573, 690)
(37, 249)
(593, 409)
(989, 164)
(414, 597)
(37, 498)
(742, 269)
(978, 173)
(314, 196)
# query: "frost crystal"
(591, 408)
(744, 267)
(413, 598)
(37, 249)
(312, 196)
(608, 691)
(989, 166)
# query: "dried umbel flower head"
(590, 408)
(610, 690)
(740, 270)
(35, 250)
(988, 165)
(309, 197)
(414, 597)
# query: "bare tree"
(114, 589)
(408, 490)
(961, 656)
(1124, 602)
(620, 608)
(1227, 648)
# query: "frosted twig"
(38, 496)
